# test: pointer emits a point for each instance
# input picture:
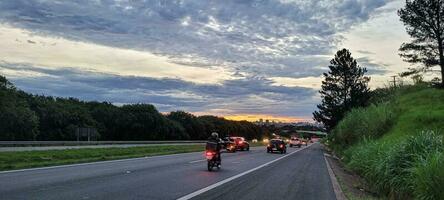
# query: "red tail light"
(209, 155)
(282, 146)
(240, 142)
(268, 145)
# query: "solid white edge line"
(196, 161)
(210, 187)
(92, 163)
(97, 162)
(334, 181)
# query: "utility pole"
(394, 81)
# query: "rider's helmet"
(215, 135)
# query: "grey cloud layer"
(254, 39)
(267, 37)
(252, 95)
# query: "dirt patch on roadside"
(352, 185)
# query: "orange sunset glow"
(253, 118)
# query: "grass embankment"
(397, 144)
(30, 159)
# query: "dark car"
(229, 144)
(241, 143)
(277, 145)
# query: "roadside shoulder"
(336, 187)
(351, 185)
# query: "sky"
(241, 59)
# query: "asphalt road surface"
(254, 175)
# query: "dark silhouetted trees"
(344, 87)
(32, 117)
(424, 21)
(17, 120)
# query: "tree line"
(25, 116)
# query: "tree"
(25, 116)
(5, 84)
(424, 21)
(17, 120)
(345, 87)
(193, 127)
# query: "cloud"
(373, 67)
(253, 95)
(54, 52)
(266, 37)
(219, 57)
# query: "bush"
(397, 168)
(429, 177)
(385, 143)
(360, 123)
(366, 159)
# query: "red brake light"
(209, 154)
(282, 145)
(240, 142)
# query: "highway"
(299, 174)
(45, 148)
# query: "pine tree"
(424, 21)
(345, 87)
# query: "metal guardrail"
(312, 132)
(79, 143)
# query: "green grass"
(257, 144)
(429, 177)
(397, 145)
(30, 159)
(418, 111)
(394, 168)
(364, 123)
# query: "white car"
(294, 141)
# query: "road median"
(32, 159)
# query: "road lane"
(302, 175)
(162, 177)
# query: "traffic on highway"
(221, 99)
(246, 174)
(231, 144)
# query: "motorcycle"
(212, 160)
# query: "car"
(229, 145)
(278, 145)
(304, 142)
(241, 143)
(294, 141)
(314, 139)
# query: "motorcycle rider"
(214, 138)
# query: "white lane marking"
(198, 192)
(98, 162)
(196, 161)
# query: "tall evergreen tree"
(424, 21)
(345, 87)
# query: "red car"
(240, 143)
